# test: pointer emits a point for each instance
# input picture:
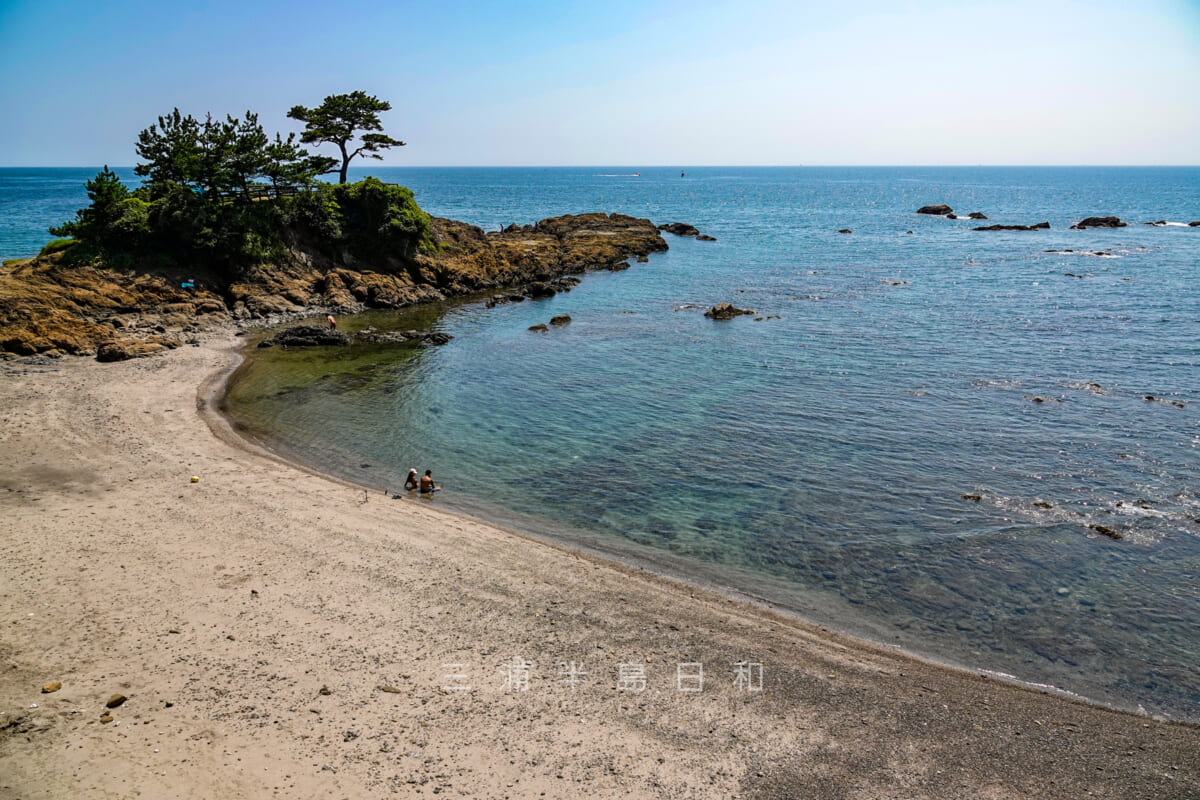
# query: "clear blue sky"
(557, 82)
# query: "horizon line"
(688, 166)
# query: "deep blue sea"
(908, 440)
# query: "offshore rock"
(539, 328)
(1195, 224)
(1041, 226)
(679, 229)
(726, 311)
(560, 319)
(704, 237)
(1098, 222)
(940, 211)
(976, 215)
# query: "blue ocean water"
(34, 198)
(910, 439)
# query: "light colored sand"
(252, 617)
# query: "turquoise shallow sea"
(819, 457)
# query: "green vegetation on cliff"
(221, 196)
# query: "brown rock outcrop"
(49, 303)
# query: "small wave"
(1140, 508)
(1001, 384)
(1089, 387)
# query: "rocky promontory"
(54, 306)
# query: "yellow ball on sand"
(195, 479)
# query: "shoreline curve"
(274, 633)
(211, 396)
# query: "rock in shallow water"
(1041, 226)
(726, 311)
(308, 336)
(940, 211)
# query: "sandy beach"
(280, 634)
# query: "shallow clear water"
(819, 459)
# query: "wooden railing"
(265, 191)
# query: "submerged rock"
(939, 211)
(704, 237)
(1098, 222)
(1104, 530)
(726, 311)
(845, 230)
(405, 337)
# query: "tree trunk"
(345, 163)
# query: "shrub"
(57, 246)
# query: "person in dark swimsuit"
(427, 484)
(411, 481)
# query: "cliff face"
(48, 306)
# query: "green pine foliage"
(339, 119)
(222, 194)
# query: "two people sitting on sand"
(425, 485)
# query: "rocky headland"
(50, 305)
